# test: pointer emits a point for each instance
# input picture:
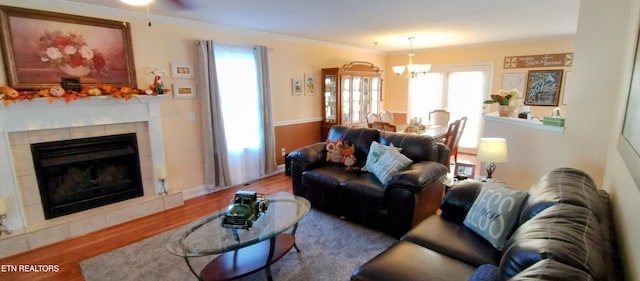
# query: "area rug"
(330, 249)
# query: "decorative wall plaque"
(548, 60)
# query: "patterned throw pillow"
(376, 150)
(385, 161)
(495, 213)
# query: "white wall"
(625, 194)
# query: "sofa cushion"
(486, 272)
(563, 232)
(361, 138)
(363, 189)
(386, 162)
(550, 270)
(564, 185)
(495, 212)
(456, 203)
(416, 147)
(407, 261)
(453, 240)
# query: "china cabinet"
(349, 93)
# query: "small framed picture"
(184, 91)
(465, 169)
(296, 87)
(182, 70)
(309, 85)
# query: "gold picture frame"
(184, 90)
(40, 48)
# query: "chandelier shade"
(413, 70)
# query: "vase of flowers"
(71, 54)
(504, 98)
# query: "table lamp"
(492, 150)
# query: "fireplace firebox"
(80, 174)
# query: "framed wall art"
(629, 139)
(309, 84)
(543, 87)
(296, 87)
(184, 90)
(182, 70)
(40, 48)
(514, 80)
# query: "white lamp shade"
(493, 150)
(398, 69)
(136, 2)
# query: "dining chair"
(451, 137)
(386, 116)
(372, 117)
(454, 151)
(439, 117)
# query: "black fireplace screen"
(80, 174)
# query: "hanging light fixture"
(136, 2)
(413, 70)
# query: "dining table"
(435, 131)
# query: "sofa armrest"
(416, 176)
(308, 155)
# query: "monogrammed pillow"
(495, 213)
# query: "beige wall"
(396, 90)
(169, 40)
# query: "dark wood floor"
(68, 254)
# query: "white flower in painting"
(70, 50)
(86, 52)
(53, 53)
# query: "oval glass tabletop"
(207, 236)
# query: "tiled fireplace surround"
(38, 121)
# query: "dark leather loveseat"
(565, 232)
(408, 197)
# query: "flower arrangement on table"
(10, 96)
(70, 53)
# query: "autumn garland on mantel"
(10, 96)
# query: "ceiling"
(382, 25)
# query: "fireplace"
(80, 174)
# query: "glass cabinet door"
(375, 94)
(366, 97)
(356, 100)
(346, 99)
(330, 98)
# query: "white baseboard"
(202, 190)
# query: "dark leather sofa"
(565, 232)
(407, 198)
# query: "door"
(460, 89)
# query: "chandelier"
(413, 70)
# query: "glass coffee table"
(241, 251)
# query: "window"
(458, 89)
(236, 70)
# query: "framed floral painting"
(40, 48)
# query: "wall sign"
(548, 60)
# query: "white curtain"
(242, 90)
(216, 167)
